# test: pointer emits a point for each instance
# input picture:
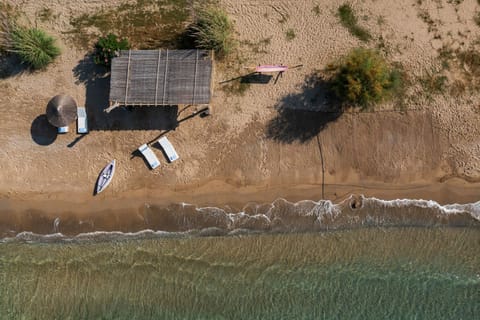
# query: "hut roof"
(161, 77)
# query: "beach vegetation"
(237, 87)
(457, 88)
(316, 10)
(470, 59)
(476, 18)
(45, 14)
(148, 24)
(461, 62)
(433, 83)
(213, 30)
(290, 34)
(364, 78)
(259, 46)
(350, 21)
(380, 20)
(33, 46)
(108, 47)
(233, 67)
(470, 62)
(428, 20)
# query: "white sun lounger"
(168, 148)
(149, 156)
(82, 124)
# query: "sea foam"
(186, 220)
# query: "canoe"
(271, 68)
(105, 177)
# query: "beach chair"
(149, 156)
(168, 148)
(82, 124)
(62, 129)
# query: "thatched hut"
(161, 77)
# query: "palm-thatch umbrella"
(61, 110)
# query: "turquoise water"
(370, 273)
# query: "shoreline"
(127, 212)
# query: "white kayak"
(105, 177)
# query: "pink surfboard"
(271, 68)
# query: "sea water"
(396, 265)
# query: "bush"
(33, 46)
(213, 30)
(290, 34)
(349, 21)
(107, 47)
(363, 78)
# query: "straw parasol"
(61, 110)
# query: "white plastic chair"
(149, 156)
(168, 148)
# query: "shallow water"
(366, 273)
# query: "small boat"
(105, 177)
(271, 68)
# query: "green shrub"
(290, 34)
(349, 21)
(433, 83)
(107, 47)
(470, 59)
(33, 46)
(363, 78)
(213, 30)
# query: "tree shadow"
(11, 65)
(42, 132)
(302, 116)
(97, 84)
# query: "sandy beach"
(247, 150)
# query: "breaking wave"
(185, 220)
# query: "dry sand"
(245, 151)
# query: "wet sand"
(145, 209)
